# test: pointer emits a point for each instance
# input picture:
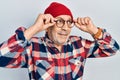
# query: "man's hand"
(85, 24)
(42, 22)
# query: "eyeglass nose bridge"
(64, 23)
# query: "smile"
(62, 34)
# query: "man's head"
(60, 32)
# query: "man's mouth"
(63, 34)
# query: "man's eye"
(59, 21)
(69, 22)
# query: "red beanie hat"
(56, 9)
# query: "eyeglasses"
(61, 22)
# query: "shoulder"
(78, 40)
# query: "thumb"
(77, 25)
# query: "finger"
(49, 25)
(75, 20)
(77, 25)
(79, 21)
(51, 18)
(82, 21)
(86, 20)
(90, 21)
(47, 19)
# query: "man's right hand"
(42, 22)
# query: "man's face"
(60, 33)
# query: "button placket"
(61, 64)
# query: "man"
(57, 56)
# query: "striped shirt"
(45, 62)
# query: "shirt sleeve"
(13, 52)
(104, 47)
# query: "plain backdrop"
(104, 13)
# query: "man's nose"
(65, 26)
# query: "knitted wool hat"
(56, 9)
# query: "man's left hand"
(85, 24)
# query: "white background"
(104, 13)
